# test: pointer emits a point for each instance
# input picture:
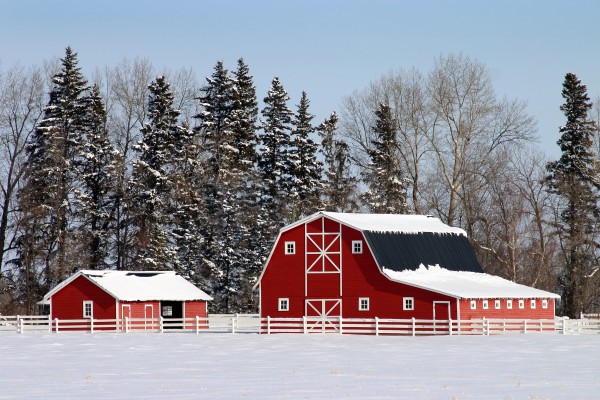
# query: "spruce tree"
(339, 184)
(46, 196)
(574, 178)
(152, 184)
(307, 170)
(387, 186)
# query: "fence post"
(340, 324)
(504, 325)
(126, 324)
(91, 325)
(413, 326)
(541, 325)
(450, 326)
(197, 324)
(376, 326)
(232, 325)
(268, 325)
(20, 325)
(564, 326)
(524, 326)
(49, 323)
(304, 325)
(56, 324)
(161, 324)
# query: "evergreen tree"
(96, 166)
(152, 183)
(574, 178)
(308, 170)
(387, 191)
(46, 195)
(340, 186)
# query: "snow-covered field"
(246, 366)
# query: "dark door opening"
(172, 312)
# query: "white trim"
(91, 304)
(497, 304)
(473, 304)
(151, 307)
(509, 304)
(123, 306)
(532, 304)
(357, 247)
(521, 304)
(443, 302)
(405, 303)
(281, 302)
(544, 303)
(367, 304)
(485, 304)
(289, 248)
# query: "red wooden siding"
(195, 309)
(67, 303)
(504, 312)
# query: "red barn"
(126, 294)
(371, 265)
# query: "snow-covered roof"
(466, 285)
(399, 223)
(140, 285)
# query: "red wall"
(525, 313)
(195, 308)
(67, 303)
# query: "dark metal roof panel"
(406, 251)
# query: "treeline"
(151, 171)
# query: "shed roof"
(139, 285)
(466, 285)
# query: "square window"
(408, 303)
(485, 304)
(357, 247)
(497, 304)
(532, 304)
(473, 304)
(88, 309)
(284, 304)
(544, 303)
(290, 247)
(509, 304)
(521, 303)
(363, 304)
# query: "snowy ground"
(225, 366)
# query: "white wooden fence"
(252, 323)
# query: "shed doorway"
(441, 317)
(172, 313)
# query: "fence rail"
(252, 323)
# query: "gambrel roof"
(138, 285)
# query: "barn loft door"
(323, 315)
(323, 258)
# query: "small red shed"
(372, 265)
(117, 295)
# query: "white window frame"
(532, 304)
(485, 304)
(283, 304)
(544, 303)
(408, 303)
(363, 304)
(290, 247)
(521, 304)
(357, 247)
(85, 313)
(473, 304)
(497, 304)
(509, 304)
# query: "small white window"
(363, 304)
(290, 247)
(88, 309)
(357, 247)
(521, 303)
(497, 304)
(544, 303)
(532, 304)
(473, 304)
(284, 304)
(509, 304)
(485, 304)
(408, 303)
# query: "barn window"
(532, 304)
(485, 304)
(290, 247)
(357, 247)
(509, 304)
(88, 310)
(363, 304)
(284, 304)
(521, 303)
(497, 304)
(408, 303)
(473, 304)
(544, 303)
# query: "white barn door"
(323, 315)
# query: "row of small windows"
(408, 304)
(357, 247)
(509, 304)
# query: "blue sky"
(327, 48)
